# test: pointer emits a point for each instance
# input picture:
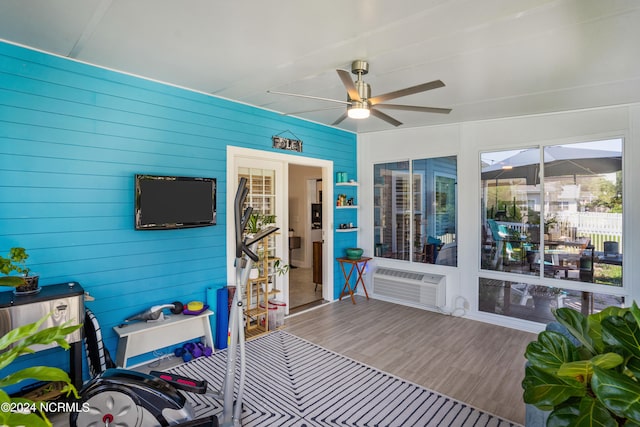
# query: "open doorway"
(280, 163)
(305, 237)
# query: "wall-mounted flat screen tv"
(169, 202)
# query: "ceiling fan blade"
(310, 111)
(385, 117)
(309, 97)
(415, 108)
(340, 119)
(348, 84)
(407, 91)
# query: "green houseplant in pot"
(254, 224)
(17, 342)
(15, 262)
(592, 380)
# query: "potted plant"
(534, 224)
(254, 224)
(280, 267)
(18, 342)
(542, 297)
(257, 221)
(268, 220)
(592, 378)
(16, 262)
(253, 227)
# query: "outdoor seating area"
(555, 212)
(552, 230)
(515, 247)
(508, 244)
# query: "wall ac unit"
(410, 287)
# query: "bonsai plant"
(16, 262)
(17, 342)
(593, 379)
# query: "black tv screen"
(168, 202)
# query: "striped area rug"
(293, 382)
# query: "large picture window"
(554, 212)
(415, 210)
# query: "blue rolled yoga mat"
(211, 295)
(222, 315)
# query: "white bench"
(142, 337)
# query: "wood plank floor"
(471, 361)
(302, 290)
(474, 362)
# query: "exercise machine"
(245, 254)
(128, 398)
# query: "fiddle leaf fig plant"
(18, 342)
(592, 379)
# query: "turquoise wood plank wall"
(72, 136)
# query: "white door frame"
(234, 154)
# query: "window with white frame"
(552, 213)
(415, 215)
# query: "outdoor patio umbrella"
(558, 161)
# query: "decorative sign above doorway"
(286, 143)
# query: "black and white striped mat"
(292, 382)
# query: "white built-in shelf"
(347, 184)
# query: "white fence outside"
(600, 227)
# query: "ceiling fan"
(360, 104)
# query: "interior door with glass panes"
(265, 181)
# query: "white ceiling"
(498, 58)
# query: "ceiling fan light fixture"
(358, 110)
(360, 103)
